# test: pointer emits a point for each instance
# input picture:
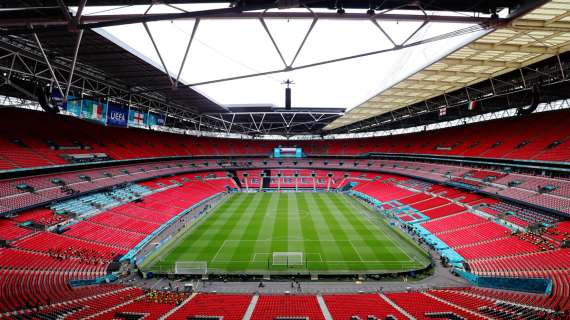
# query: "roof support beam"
(100, 21)
(39, 44)
(533, 25)
(514, 48)
(73, 62)
(315, 19)
(194, 29)
(429, 82)
(262, 20)
(396, 90)
(447, 73)
(158, 52)
(480, 63)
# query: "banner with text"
(117, 115)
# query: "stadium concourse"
(418, 167)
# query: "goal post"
(191, 267)
(288, 258)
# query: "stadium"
(284, 160)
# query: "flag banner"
(86, 109)
(137, 118)
(73, 106)
(94, 110)
(117, 115)
(155, 119)
(99, 111)
(472, 104)
(442, 111)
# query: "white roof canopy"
(284, 49)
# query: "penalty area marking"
(259, 255)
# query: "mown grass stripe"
(281, 224)
(251, 232)
(216, 240)
(348, 252)
(237, 254)
(311, 238)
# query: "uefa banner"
(117, 115)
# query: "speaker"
(533, 103)
(44, 99)
(287, 98)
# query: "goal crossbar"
(288, 258)
(191, 267)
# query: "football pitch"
(324, 233)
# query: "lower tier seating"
(302, 307)
(151, 306)
(228, 306)
(346, 306)
(424, 307)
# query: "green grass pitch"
(335, 233)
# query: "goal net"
(191, 267)
(288, 259)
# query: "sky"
(225, 48)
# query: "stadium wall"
(531, 285)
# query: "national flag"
(97, 110)
(442, 111)
(138, 117)
(471, 105)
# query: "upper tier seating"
(525, 214)
(24, 144)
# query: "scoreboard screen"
(287, 152)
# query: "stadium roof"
(540, 34)
(130, 74)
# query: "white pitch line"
(354, 248)
(219, 250)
